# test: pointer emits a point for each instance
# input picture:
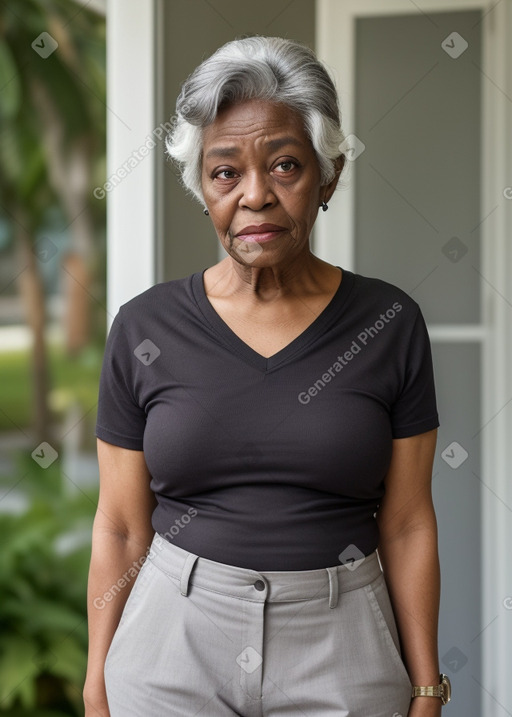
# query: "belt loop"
(185, 573)
(333, 586)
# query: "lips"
(260, 232)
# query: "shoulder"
(156, 301)
(379, 295)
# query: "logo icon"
(44, 249)
(249, 660)
(44, 454)
(44, 45)
(351, 557)
(454, 659)
(454, 454)
(147, 352)
(454, 249)
(454, 45)
(248, 250)
(352, 147)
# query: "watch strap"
(443, 690)
(430, 691)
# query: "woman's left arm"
(409, 556)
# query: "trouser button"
(259, 585)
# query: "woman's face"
(260, 168)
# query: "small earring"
(324, 206)
(206, 212)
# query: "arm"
(409, 557)
(122, 534)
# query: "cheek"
(222, 218)
(303, 198)
(303, 209)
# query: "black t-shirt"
(267, 463)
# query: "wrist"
(94, 689)
(425, 707)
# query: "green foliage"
(66, 72)
(9, 82)
(43, 577)
(72, 379)
(73, 80)
(16, 397)
(43, 573)
(52, 123)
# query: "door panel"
(417, 183)
(417, 208)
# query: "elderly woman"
(266, 431)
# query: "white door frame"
(134, 67)
(335, 45)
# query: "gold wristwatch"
(443, 690)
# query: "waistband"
(271, 586)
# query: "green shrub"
(44, 557)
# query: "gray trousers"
(199, 637)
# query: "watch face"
(447, 688)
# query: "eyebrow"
(272, 144)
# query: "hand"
(425, 707)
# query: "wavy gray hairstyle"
(267, 68)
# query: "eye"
(287, 166)
(225, 174)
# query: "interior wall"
(192, 32)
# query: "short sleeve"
(415, 410)
(120, 419)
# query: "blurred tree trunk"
(77, 310)
(52, 129)
(70, 171)
(32, 294)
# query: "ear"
(328, 189)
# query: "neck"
(309, 275)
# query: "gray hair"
(267, 68)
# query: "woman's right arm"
(122, 534)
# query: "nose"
(257, 191)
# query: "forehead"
(253, 121)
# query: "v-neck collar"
(243, 349)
